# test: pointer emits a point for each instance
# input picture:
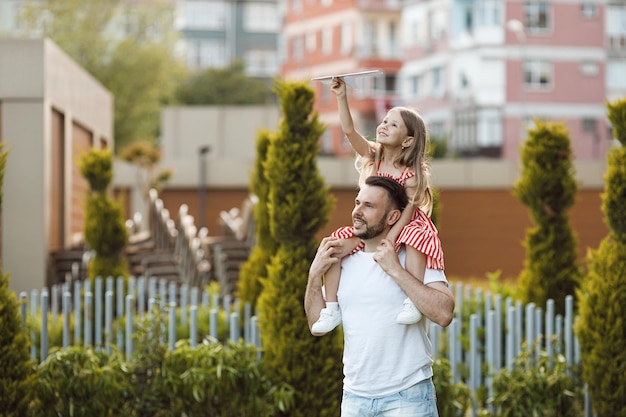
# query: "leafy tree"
(146, 157)
(601, 328)
(547, 186)
(298, 206)
(224, 86)
(15, 380)
(254, 270)
(140, 68)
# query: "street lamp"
(202, 188)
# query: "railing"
(104, 316)
(497, 331)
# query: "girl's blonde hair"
(414, 156)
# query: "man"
(387, 366)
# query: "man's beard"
(371, 231)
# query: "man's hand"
(327, 254)
(387, 257)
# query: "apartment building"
(327, 37)
(217, 32)
(479, 71)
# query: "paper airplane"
(348, 78)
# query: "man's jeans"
(416, 401)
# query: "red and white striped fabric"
(420, 233)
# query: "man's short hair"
(395, 192)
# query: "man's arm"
(434, 300)
(325, 258)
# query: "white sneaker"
(409, 314)
(329, 319)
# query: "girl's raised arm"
(357, 141)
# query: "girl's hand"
(338, 87)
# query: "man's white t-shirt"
(381, 357)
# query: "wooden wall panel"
(56, 236)
(81, 143)
(481, 230)
(1, 140)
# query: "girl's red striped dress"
(419, 233)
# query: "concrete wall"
(231, 133)
(40, 84)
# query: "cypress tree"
(254, 270)
(547, 186)
(601, 328)
(15, 366)
(105, 230)
(298, 206)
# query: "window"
(589, 68)
(202, 53)
(393, 38)
(438, 85)
(537, 74)
(261, 17)
(204, 15)
(469, 18)
(346, 38)
(297, 48)
(489, 12)
(589, 10)
(437, 129)
(537, 15)
(261, 63)
(311, 41)
(327, 40)
(590, 125)
(370, 37)
(463, 80)
(616, 26)
(326, 142)
(615, 71)
(415, 86)
(437, 24)
(296, 6)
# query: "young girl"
(399, 153)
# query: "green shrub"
(79, 382)
(15, 377)
(601, 328)
(547, 186)
(210, 380)
(222, 380)
(453, 399)
(104, 229)
(535, 388)
(15, 374)
(96, 166)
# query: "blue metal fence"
(94, 311)
(496, 330)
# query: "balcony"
(378, 5)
